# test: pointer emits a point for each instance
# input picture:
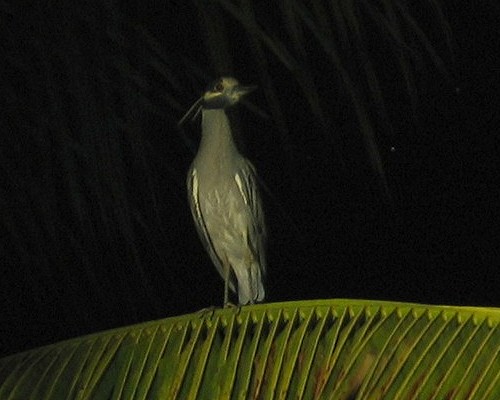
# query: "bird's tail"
(250, 284)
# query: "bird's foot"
(204, 312)
(235, 307)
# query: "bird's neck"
(216, 133)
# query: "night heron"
(224, 197)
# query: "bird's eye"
(219, 87)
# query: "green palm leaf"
(342, 349)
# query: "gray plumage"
(224, 198)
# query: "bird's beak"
(244, 90)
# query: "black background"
(77, 260)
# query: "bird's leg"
(226, 283)
(227, 269)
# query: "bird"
(224, 196)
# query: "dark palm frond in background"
(354, 130)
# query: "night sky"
(95, 228)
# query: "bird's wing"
(246, 180)
(194, 203)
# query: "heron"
(224, 196)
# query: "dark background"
(95, 229)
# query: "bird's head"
(224, 92)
